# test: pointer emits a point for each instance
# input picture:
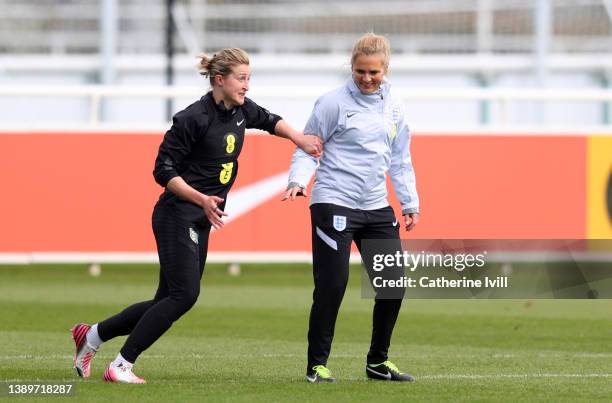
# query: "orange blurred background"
(95, 192)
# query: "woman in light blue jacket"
(362, 125)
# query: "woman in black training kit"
(197, 163)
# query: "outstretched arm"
(261, 118)
(311, 145)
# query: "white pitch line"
(58, 357)
(552, 355)
(290, 355)
(449, 376)
(419, 377)
(511, 376)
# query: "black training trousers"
(182, 247)
(334, 228)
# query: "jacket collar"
(220, 107)
(382, 92)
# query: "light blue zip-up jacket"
(364, 137)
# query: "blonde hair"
(221, 62)
(371, 44)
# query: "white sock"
(93, 338)
(121, 361)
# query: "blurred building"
(296, 45)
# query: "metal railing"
(502, 97)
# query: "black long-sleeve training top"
(203, 146)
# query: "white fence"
(501, 98)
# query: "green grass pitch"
(245, 341)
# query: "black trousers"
(334, 228)
(182, 247)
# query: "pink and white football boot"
(121, 373)
(84, 351)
